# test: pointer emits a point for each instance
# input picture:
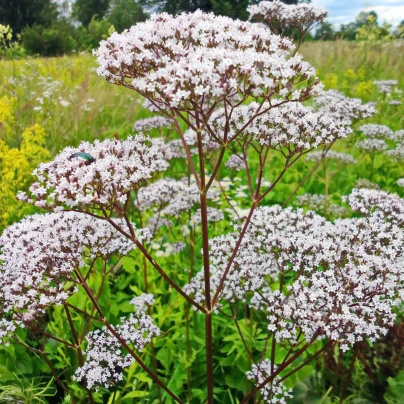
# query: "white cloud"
(345, 11)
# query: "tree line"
(55, 27)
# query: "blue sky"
(343, 11)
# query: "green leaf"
(135, 394)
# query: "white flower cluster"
(273, 392)
(276, 13)
(319, 155)
(142, 302)
(397, 154)
(172, 60)
(372, 145)
(385, 86)
(150, 106)
(235, 162)
(167, 249)
(99, 175)
(105, 360)
(342, 108)
(40, 253)
(343, 278)
(175, 149)
(159, 192)
(400, 182)
(255, 264)
(320, 204)
(291, 126)
(148, 124)
(375, 130)
(7, 330)
(172, 197)
(364, 183)
(389, 206)
(398, 136)
(395, 102)
(214, 215)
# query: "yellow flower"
(16, 166)
(7, 118)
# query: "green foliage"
(233, 9)
(125, 13)
(52, 41)
(19, 14)
(395, 391)
(400, 30)
(90, 37)
(86, 10)
(325, 32)
(24, 391)
(369, 30)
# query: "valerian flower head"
(256, 263)
(372, 145)
(330, 154)
(320, 204)
(397, 154)
(374, 130)
(105, 360)
(273, 392)
(147, 124)
(398, 136)
(385, 86)
(280, 16)
(344, 277)
(235, 162)
(213, 214)
(342, 108)
(366, 201)
(364, 183)
(176, 60)
(40, 254)
(290, 128)
(159, 193)
(104, 180)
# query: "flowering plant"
(307, 283)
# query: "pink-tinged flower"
(182, 61)
(99, 175)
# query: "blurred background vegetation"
(54, 28)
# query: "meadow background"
(49, 103)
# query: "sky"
(344, 11)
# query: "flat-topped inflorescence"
(398, 136)
(372, 145)
(289, 127)
(40, 254)
(318, 155)
(321, 204)
(116, 168)
(179, 61)
(280, 16)
(385, 86)
(397, 154)
(342, 108)
(155, 122)
(105, 361)
(275, 391)
(346, 276)
(375, 130)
